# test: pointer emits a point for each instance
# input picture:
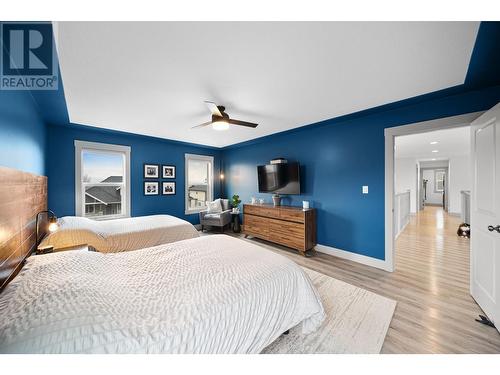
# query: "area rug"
(356, 321)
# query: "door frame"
(447, 169)
(390, 134)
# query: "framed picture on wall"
(151, 188)
(168, 188)
(151, 171)
(168, 171)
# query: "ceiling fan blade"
(213, 108)
(243, 123)
(202, 125)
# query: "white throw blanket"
(214, 294)
(116, 235)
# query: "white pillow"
(214, 207)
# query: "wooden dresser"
(284, 225)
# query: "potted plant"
(235, 202)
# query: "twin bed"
(175, 293)
(111, 236)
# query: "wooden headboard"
(22, 196)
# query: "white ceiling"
(451, 142)
(152, 78)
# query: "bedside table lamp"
(53, 226)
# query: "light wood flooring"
(435, 312)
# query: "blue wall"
(338, 156)
(22, 133)
(61, 168)
(484, 65)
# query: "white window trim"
(436, 171)
(210, 196)
(83, 145)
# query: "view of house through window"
(199, 184)
(102, 192)
(102, 181)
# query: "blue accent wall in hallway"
(22, 133)
(338, 157)
(61, 168)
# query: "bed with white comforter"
(214, 294)
(116, 235)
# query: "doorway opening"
(397, 213)
(429, 256)
(431, 176)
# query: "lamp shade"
(53, 225)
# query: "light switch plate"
(365, 189)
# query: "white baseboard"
(363, 259)
(402, 229)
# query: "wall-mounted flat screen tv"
(283, 178)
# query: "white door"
(485, 214)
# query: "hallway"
(434, 264)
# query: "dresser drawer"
(286, 229)
(288, 235)
(256, 225)
(293, 242)
(261, 211)
(292, 215)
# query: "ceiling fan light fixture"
(221, 120)
(220, 125)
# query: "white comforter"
(213, 294)
(111, 236)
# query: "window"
(102, 186)
(199, 182)
(439, 177)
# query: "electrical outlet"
(365, 189)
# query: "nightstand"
(236, 222)
(50, 249)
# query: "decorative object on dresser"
(151, 170)
(285, 225)
(151, 187)
(276, 200)
(168, 171)
(168, 188)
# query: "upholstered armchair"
(219, 219)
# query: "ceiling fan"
(220, 119)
